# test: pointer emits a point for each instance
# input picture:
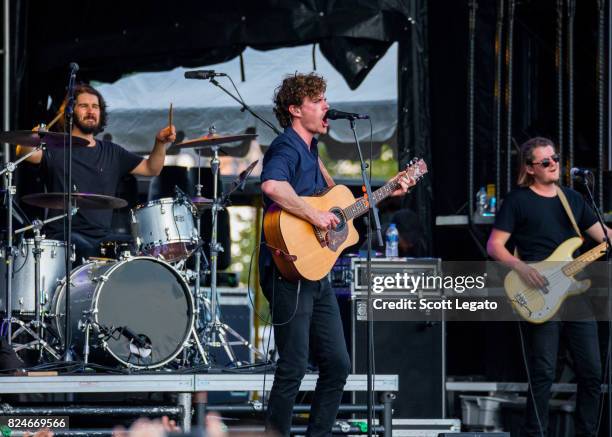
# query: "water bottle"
(481, 201)
(392, 241)
(491, 207)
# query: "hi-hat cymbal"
(34, 138)
(201, 203)
(208, 141)
(80, 200)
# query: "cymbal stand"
(213, 325)
(7, 171)
(216, 332)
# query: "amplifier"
(390, 267)
(413, 350)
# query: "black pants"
(583, 344)
(316, 326)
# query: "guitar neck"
(360, 207)
(584, 260)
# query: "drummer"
(96, 169)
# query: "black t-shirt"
(539, 224)
(95, 170)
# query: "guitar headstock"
(416, 169)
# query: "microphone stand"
(67, 209)
(373, 212)
(244, 106)
(609, 262)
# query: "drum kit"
(135, 307)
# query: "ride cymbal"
(80, 200)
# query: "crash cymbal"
(34, 138)
(208, 141)
(80, 200)
(201, 203)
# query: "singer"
(305, 314)
(534, 216)
(96, 169)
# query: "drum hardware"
(38, 343)
(85, 327)
(36, 327)
(7, 171)
(215, 332)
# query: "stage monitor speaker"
(415, 351)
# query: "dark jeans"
(542, 346)
(315, 327)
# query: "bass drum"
(140, 311)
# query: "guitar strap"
(568, 210)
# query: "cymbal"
(201, 203)
(81, 200)
(34, 138)
(208, 141)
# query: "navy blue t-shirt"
(95, 170)
(539, 224)
(289, 159)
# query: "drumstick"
(51, 123)
(56, 119)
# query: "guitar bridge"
(521, 301)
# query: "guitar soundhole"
(338, 213)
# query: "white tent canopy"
(138, 104)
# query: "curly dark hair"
(293, 90)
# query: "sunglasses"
(546, 161)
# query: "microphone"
(332, 114)
(135, 338)
(202, 74)
(74, 67)
(580, 172)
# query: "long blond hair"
(524, 178)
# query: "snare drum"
(139, 311)
(164, 228)
(52, 271)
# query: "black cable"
(236, 89)
(270, 320)
(526, 363)
(25, 261)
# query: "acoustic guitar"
(303, 251)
